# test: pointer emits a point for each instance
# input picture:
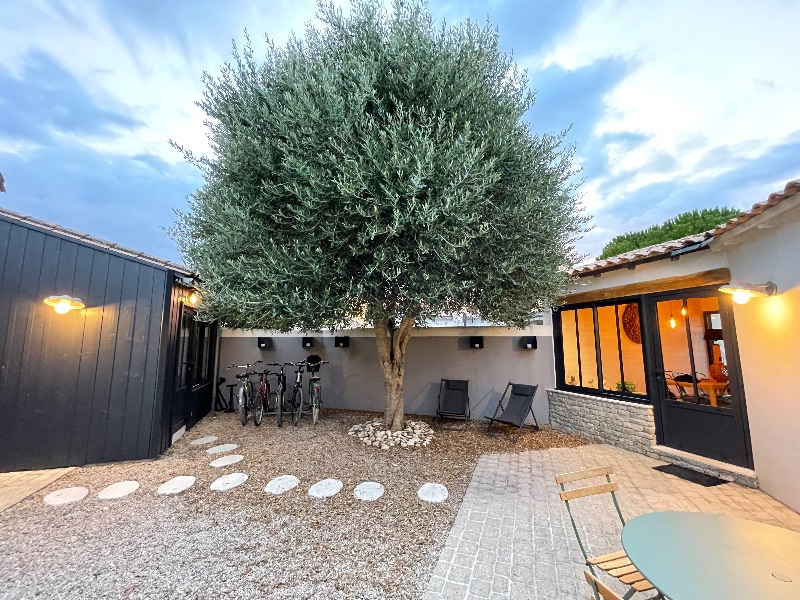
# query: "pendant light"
(672, 322)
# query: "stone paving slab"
(512, 537)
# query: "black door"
(194, 368)
(699, 397)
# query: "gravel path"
(245, 543)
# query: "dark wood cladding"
(87, 386)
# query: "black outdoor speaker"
(527, 342)
(476, 341)
(308, 342)
(265, 343)
(342, 342)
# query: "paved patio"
(512, 537)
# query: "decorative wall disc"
(630, 323)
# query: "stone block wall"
(626, 425)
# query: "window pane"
(632, 355)
(609, 349)
(588, 352)
(572, 374)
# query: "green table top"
(698, 556)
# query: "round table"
(689, 556)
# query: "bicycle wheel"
(297, 404)
(258, 406)
(279, 407)
(316, 401)
(243, 404)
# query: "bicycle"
(247, 398)
(296, 407)
(280, 393)
(313, 363)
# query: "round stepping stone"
(176, 485)
(66, 496)
(118, 490)
(369, 490)
(282, 484)
(226, 461)
(229, 481)
(325, 488)
(222, 448)
(432, 492)
(204, 440)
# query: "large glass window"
(602, 349)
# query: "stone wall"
(626, 425)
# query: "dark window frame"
(559, 350)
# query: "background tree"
(688, 223)
(378, 168)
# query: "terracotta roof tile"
(96, 242)
(666, 248)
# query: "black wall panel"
(87, 386)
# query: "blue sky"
(673, 105)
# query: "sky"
(673, 105)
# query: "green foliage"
(688, 223)
(626, 386)
(378, 167)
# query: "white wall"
(768, 331)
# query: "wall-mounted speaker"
(308, 342)
(265, 343)
(476, 341)
(527, 342)
(342, 342)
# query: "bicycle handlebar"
(235, 366)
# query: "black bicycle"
(280, 394)
(296, 406)
(313, 363)
(247, 396)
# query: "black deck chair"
(516, 409)
(453, 400)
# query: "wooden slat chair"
(598, 587)
(616, 564)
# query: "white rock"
(282, 484)
(384, 446)
(325, 488)
(66, 496)
(229, 481)
(204, 440)
(117, 490)
(226, 461)
(222, 448)
(176, 485)
(432, 492)
(369, 490)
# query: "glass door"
(700, 398)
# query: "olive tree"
(378, 169)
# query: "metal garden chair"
(616, 564)
(453, 400)
(516, 410)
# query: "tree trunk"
(392, 344)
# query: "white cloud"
(707, 75)
(150, 74)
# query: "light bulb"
(741, 297)
(193, 299)
(672, 322)
(62, 307)
(683, 310)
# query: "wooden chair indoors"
(615, 564)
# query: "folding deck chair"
(453, 400)
(516, 409)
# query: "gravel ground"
(246, 543)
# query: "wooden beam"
(667, 284)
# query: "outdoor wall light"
(742, 292)
(194, 299)
(265, 343)
(476, 341)
(63, 304)
(342, 341)
(308, 342)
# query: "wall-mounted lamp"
(308, 342)
(63, 304)
(527, 342)
(742, 292)
(342, 341)
(476, 341)
(265, 343)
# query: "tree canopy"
(687, 223)
(378, 168)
